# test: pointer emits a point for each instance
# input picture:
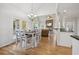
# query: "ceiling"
(38, 8)
(72, 9)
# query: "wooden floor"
(44, 48)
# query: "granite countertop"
(75, 36)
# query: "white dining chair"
(27, 39)
(37, 36)
(18, 36)
(23, 39)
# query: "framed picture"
(49, 23)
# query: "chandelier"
(32, 14)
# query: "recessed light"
(65, 10)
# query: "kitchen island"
(75, 44)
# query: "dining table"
(31, 34)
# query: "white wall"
(77, 26)
(7, 15)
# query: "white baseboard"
(64, 45)
(7, 43)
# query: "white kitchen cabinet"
(75, 47)
(65, 39)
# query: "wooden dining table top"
(30, 33)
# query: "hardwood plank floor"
(44, 48)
